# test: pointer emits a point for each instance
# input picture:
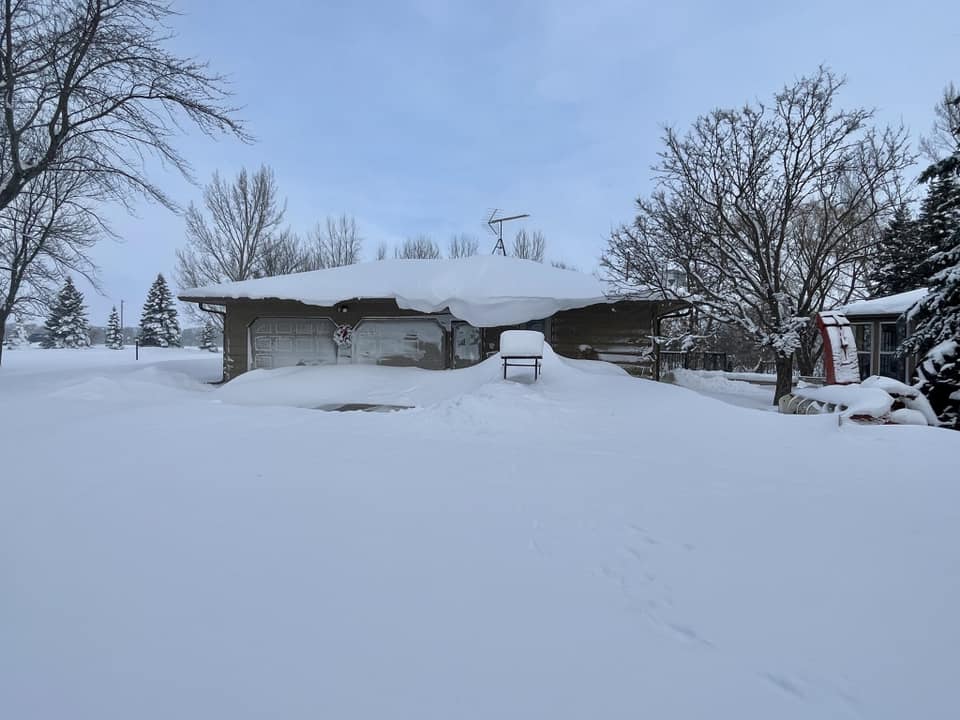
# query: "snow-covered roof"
(484, 290)
(889, 305)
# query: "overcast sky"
(417, 117)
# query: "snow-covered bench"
(521, 348)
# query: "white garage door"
(411, 342)
(283, 342)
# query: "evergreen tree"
(936, 333)
(937, 222)
(208, 337)
(900, 259)
(17, 338)
(67, 325)
(114, 334)
(158, 322)
(937, 336)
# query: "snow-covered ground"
(589, 546)
(726, 387)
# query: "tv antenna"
(496, 227)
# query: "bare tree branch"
(90, 87)
(335, 244)
(420, 247)
(463, 245)
(529, 246)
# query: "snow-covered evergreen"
(18, 336)
(938, 377)
(208, 336)
(159, 326)
(936, 336)
(937, 223)
(67, 325)
(899, 262)
(114, 333)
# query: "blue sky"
(417, 117)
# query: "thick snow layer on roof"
(485, 290)
(889, 305)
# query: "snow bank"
(331, 385)
(857, 400)
(911, 398)
(888, 305)
(875, 397)
(707, 381)
(587, 546)
(486, 291)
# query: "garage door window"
(285, 342)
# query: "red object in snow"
(840, 363)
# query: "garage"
(285, 342)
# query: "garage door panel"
(285, 342)
(407, 342)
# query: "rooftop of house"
(486, 291)
(888, 305)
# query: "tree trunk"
(3, 334)
(784, 377)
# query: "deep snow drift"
(589, 546)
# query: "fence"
(671, 360)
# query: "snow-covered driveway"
(592, 546)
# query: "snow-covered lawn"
(590, 546)
(725, 387)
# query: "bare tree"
(529, 246)
(90, 87)
(45, 233)
(769, 211)
(241, 224)
(336, 243)
(420, 247)
(463, 245)
(382, 251)
(284, 253)
(942, 140)
(89, 90)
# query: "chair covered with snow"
(521, 348)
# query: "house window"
(863, 332)
(891, 365)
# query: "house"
(880, 325)
(433, 314)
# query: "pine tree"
(936, 334)
(17, 338)
(208, 337)
(900, 259)
(158, 322)
(938, 220)
(114, 334)
(67, 325)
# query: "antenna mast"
(496, 227)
